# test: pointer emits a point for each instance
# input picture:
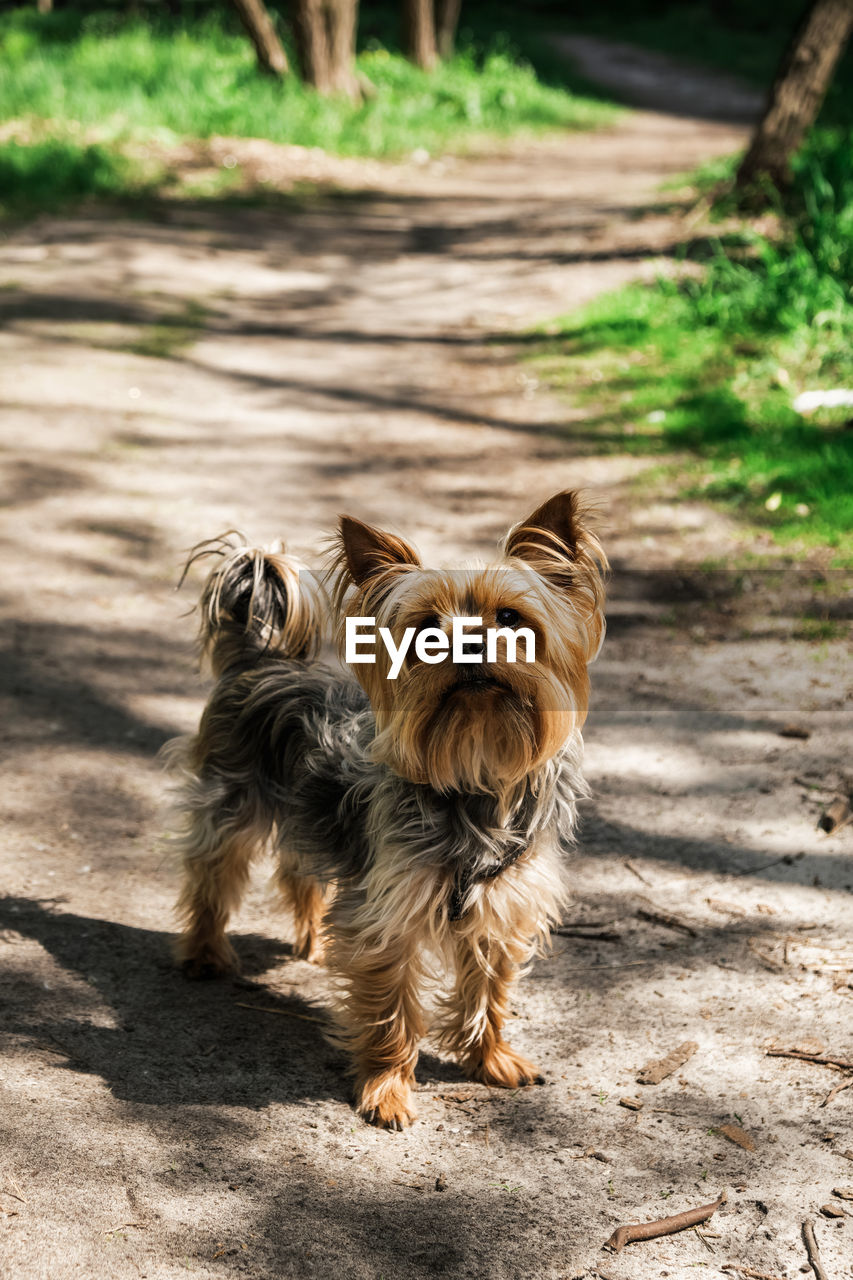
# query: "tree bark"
(341, 19)
(446, 22)
(45, 6)
(325, 43)
(419, 33)
(259, 27)
(798, 92)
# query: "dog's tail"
(256, 602)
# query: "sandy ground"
(151, 1127)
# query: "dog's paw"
(386, 1101)
(204, 962)
(504, 1068)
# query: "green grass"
(89, 84)
(51, 173)
(707, 366)
(171, 334)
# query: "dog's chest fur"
(306, 733)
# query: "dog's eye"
(430, 623)
(507, 617)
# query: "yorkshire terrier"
(415, 820)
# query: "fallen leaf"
(843, 1193)
(738, 1136)
(659, 1068)
(832, 1211)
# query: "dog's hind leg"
(308, 901)
(218, 844)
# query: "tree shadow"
(73, 682)
(167, 1039)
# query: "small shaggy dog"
(416, 819)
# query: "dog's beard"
(474, 728)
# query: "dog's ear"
(369, 551)
(550, 535)
(556, 541)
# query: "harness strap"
(464, 882)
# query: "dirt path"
(333, 356)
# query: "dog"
(419, 822)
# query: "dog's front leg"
(381, 1018)
(486, 970)
(387, 1023)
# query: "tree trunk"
(419, 33)
(45, 6)
(271, 56)
(446, 22)
(341, 19)
(798, 91)
(325, 43)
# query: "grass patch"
(128, 78)
(54, 172)
(171, 335)
(708, 366)
(81, 91)
(821, 629)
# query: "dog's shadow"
(120, 1009)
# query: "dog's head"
(479, 676)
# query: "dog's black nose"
(475, 647)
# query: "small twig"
(597, 968)
(461, 1107)
(706, 1243)
(664, 918)
(285, 1013)
(589, 924)
(663, 1226)
(813, 1251)
(748, 1271)
(629, 864)
(821, 1059)
(124, 1226)
(17, 1193)
(762, 866)
(588, 935)
(835, 816)
(833, 1093)
(769, 963)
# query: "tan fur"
(552, 574)
(380, 1021)
(215, 877)
(308, 901)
